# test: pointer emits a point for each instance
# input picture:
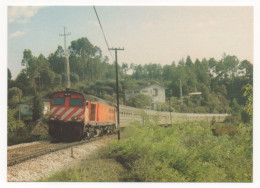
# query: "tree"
(14, 96)
(140, 101)
(235, 106)
(12, 124)
(57, 61)
(188, 62)
(9, 74)
(30, 63)
(37, 107)
(11, 83)
(23, 82)
(246, 67)
(125, 68)
(82, 58)
(248, 92)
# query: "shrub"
(187, 152)
(224, 129)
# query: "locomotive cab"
(67, 112)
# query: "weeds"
(187, 152)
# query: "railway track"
(23, 153)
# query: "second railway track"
(23, 153)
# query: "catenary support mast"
(67, 59)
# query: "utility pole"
(170, 107)
(181, 92)
(67, 59)
(117, 95)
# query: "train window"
(58, 101)
(76, 102)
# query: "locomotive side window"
(58, 101)
(76, 102)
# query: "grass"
(92, 169)
(187, 152)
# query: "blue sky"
(158, 34)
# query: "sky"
(149, 34)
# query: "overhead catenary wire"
(103, 32)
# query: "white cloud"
(21, 14)
(17, 34)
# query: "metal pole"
(117, 97)
(181, 92)
(117, 93)
(67, 59)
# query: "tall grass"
(187, 152)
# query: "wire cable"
(103, 32)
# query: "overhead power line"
(103, 32)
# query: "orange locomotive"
(73, 116)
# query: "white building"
(154, 89)
(26, 107)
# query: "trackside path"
(43, 166)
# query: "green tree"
(235, 106)
(14, 97)
(248, 93)
(82, 58)
(246, 68)
(140, 101)
(37, 107)
(9, 74)
(23, 82)
(125, 67)
(12, 124)
(57, 61)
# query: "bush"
(224, 129)
(187, 152)
(17, 131)
(140, 101)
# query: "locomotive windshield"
(76, 102)
(58, 101)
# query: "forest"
(226, 85)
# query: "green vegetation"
(225, 84)
(139, 101)
(19, 131)
(220, 82)
(187, 152)
(92, 169)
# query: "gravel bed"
(27, 144)
(43, 166)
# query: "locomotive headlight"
(54, 117)
(74, 118)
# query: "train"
(77, 116)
